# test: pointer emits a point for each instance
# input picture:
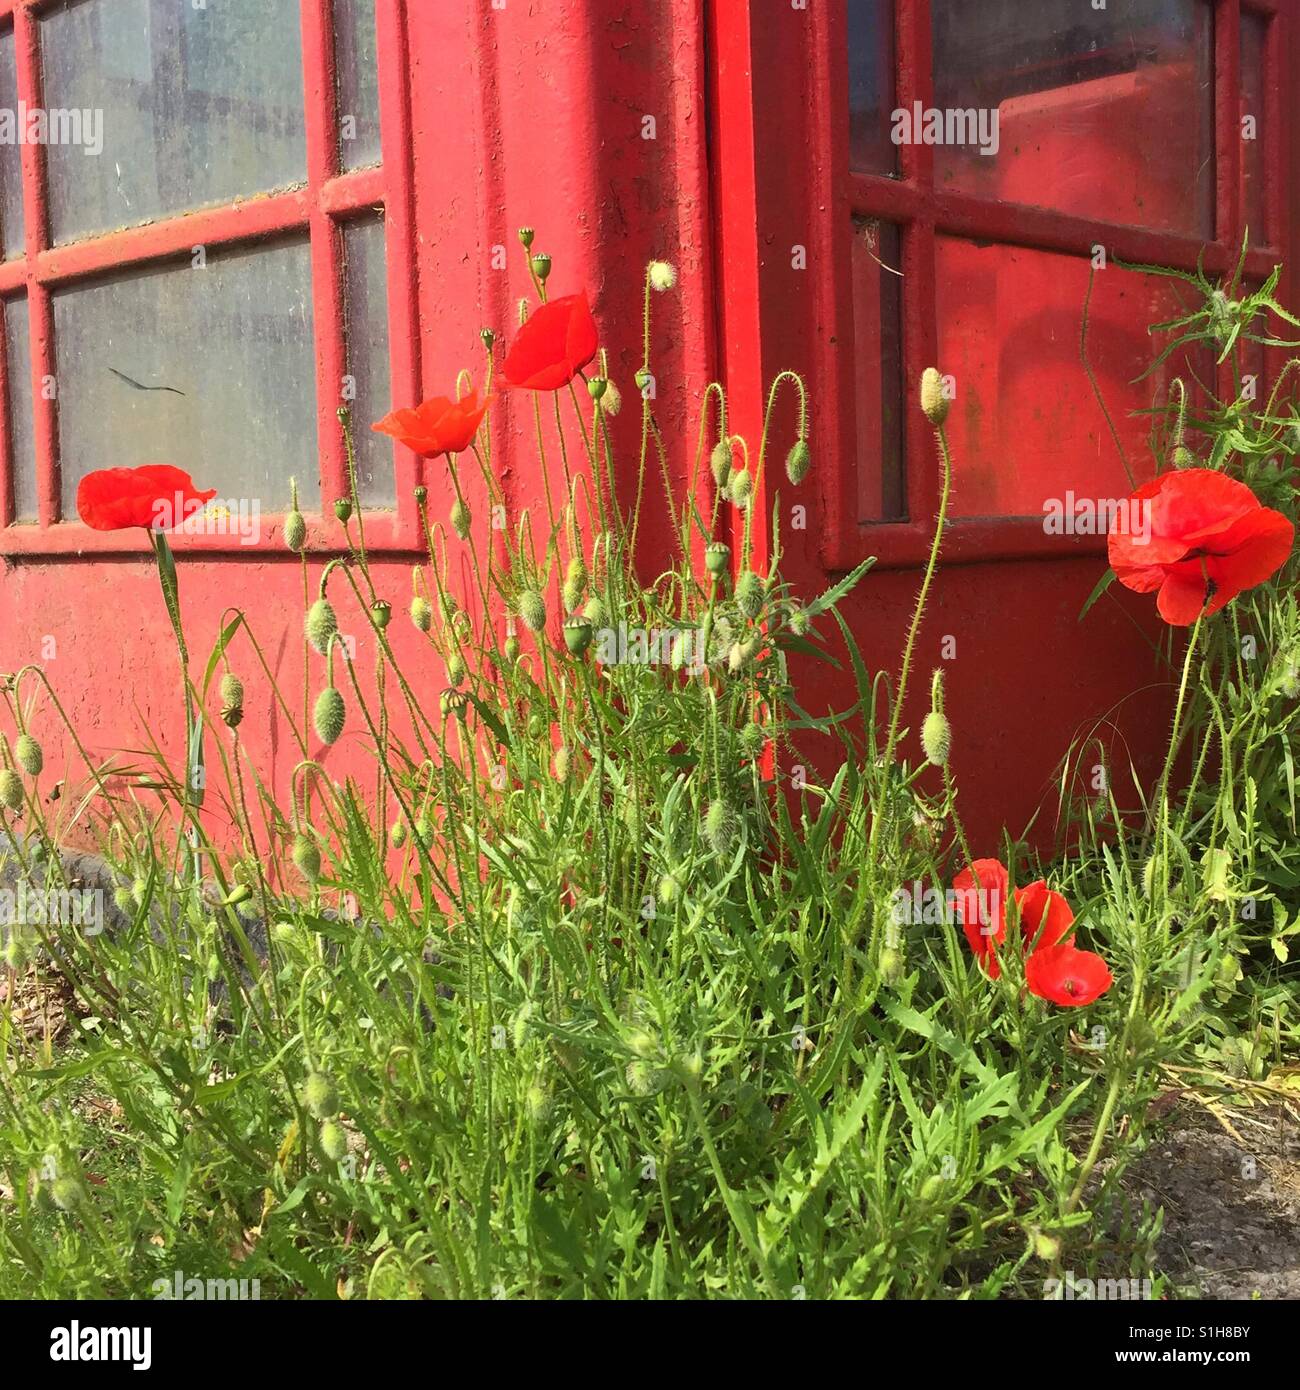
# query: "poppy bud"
(139, 890)
(333, 1142)
(577, 635)
(536, 1104)
(560, 763)
(752, 738)
(716, 557)
(737, 658)
(595, 612)
(460, 519)
(934, 404)
(575, 583)
(17, 955)
(122, 899)
(240, 893)
(67, 1193)
(720, 828)
(541, 266)
(295, 530)
(936, 738)
(681, 651)
(343, 509)
(798, 621)
(1046, 1248)
(797, 462)
(596, 387)
(663, 275)
(488, 337)
(28, 755)
(741, 489)
(612, 401)
(720, 462)
(397, 835)
(453, 702)
(423, 832)
(643, 378)
(306, 857)
(421, 495)
(329, 715)
(512, 650)
(532, 609)
(319, 1096)
(931, 1188)
(667, 890)
(1183, 457)
(526, 237)
(11, 790)
(1289, 684)
(750, 594)
(891, 966)
(321, 624)
(421, 613)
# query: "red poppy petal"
(1182, 595)
(981, 904)
(1194, 504)
(1067, 976)
(1046, 919)
(1255, 548)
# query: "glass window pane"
(22, 444)
(194, 106)
(871, 87)
(878, 377)
(1024, 424)
(1254, 31)
(233, 344)
(11, 161)
(367, 330)
(1104, 112)
(356, 52)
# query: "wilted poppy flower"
(1045, 916)
(555, 344)
(1199, 538)
(1066, 975)
(155, 496)
(436, 426)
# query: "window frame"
(757, 106)
(321, 208)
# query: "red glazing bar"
(9, 463)
(398, 185)
(320, 88)
(36, 217)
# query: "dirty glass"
(210, 368)
(200, 104)
(368, 371)
(11, 162)
(22, 447)
(871, 86)
(878, 388)
(356, 50)
(1096, 112)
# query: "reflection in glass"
(22, 441)
(878, 376)
(367, 337)
(356, 51)
(871, 86)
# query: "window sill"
(967, 541)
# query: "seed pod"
(319, 1096)
(460, 519)
(797, 462)
(11, 790)
(720, 462)
(720, 828)
(295, 530)
(343, 509)
(381, 614)
(488, 337)
(577, 635)
(936, 738)
(596, 387)
(575, 584)
(542, 266)
(329, 715)
(306, 856)
(750, 594)
(526, 237)
(333, 1141)
(28, 755)
(717, 556)
(741, 489)
(933, 402)
(454, 703)
(232, 700)
(322, 625)
(422, 613)
(532, 609)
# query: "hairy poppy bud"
(28, 755)
(11, 790)
(933, 402)
(752, 738)
(595, 613)
(797, 462)
(663, 275)
(560, 763)
(295, 530)
(306, 857)
(460, 519)
(542, 266)
(321, 624)
(750, 594)
(397, 835)
(122, 899)
(1183, 457)
(577, 635)
(720, 828)
(319, 1096)
(798, 621)
(333, 1141)
(512, 650)
(67, 1193)
(1046, 1247)
(575, 584)
(741, 489)
(891, 966)
(720, 462)
(455, 669)
(343, 509)
(422, 613)
(717, 556)
(611, 402)
(423, 832)
(668, 889)
(329, 715)
(936, 738)
(532, 609)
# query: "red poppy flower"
(436, 426)
(1197, 535)
(155, 496)
(1066, 975)
(1045, 916)
(553, 346)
